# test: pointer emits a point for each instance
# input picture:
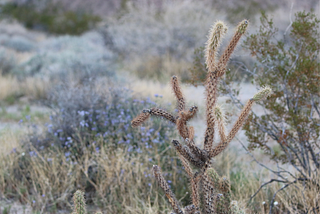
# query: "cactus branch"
(143, 116)
(211, 92)
(165, 186)
(217, 31)
(219, 115)
(197, 152)
(79, 203)
(177, 91)
(185, 152)
(162, 113)
(241, 29)
(191, 133)
(223, 144)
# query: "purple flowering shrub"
(85, 116)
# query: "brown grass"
(122, 185)
(32, 87)
(9, 140)
(8, 86)
(158, 68)
(302, 196)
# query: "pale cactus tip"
(220, 25)
(79, 202)
(218, 111)
(217, 31)
(262, 94)
(243, 26)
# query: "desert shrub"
(84, 113)
(50, 18)
(288, 128)
(69, 56)
(291, 67)
(7, 61)
(250, 9)
(19, 43)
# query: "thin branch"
(290, 16)
(264, 166)
(269, 182)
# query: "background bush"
(7, 61)
(50, 18)
(288, 128)
(67, 57)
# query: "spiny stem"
(262, 94)
(191, 133)
(208, 187)
(241, 29)
(79, 203)
(185, 152)
(223, 144)
(220, 117)
(190, 209)
(182, 127)
(162, 113)
(193, 182)
(211, 94)
(177, 91)
(217, 31)
(143, 116)
(196, 151)
(165, 186)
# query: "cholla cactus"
(79, 203)
(215, 191)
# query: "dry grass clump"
(303, 197)
(115, 180)
(8, 86)
(32, 87)
(158, 68)
(9, 141)
(244, 183)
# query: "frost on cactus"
(215, 195)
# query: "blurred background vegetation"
(74, 73)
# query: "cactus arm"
(165, 186)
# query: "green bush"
(288, 129)
(50, 18)
(291, 67)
